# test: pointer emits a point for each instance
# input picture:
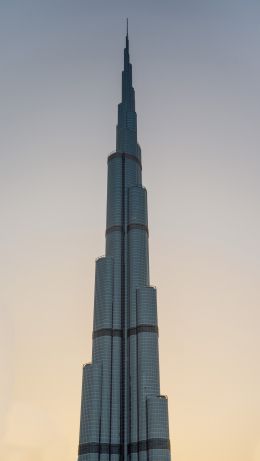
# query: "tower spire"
(127, 119)
(127, 39)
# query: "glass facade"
(123, 415)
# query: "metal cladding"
(123, 416)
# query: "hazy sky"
(197, 79)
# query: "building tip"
(127, 39)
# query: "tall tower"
(123, 415)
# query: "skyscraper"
(123, 415)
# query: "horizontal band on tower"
(125, 155)
(143, 329)
(116, 448)
(114, 228)
(130, 332)
(138, 226)
(107, 332)
(119, 228)
(92, 447)
(150, 444)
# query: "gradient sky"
(197, 79)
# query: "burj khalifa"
(124, 417)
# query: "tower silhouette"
(123, 415)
